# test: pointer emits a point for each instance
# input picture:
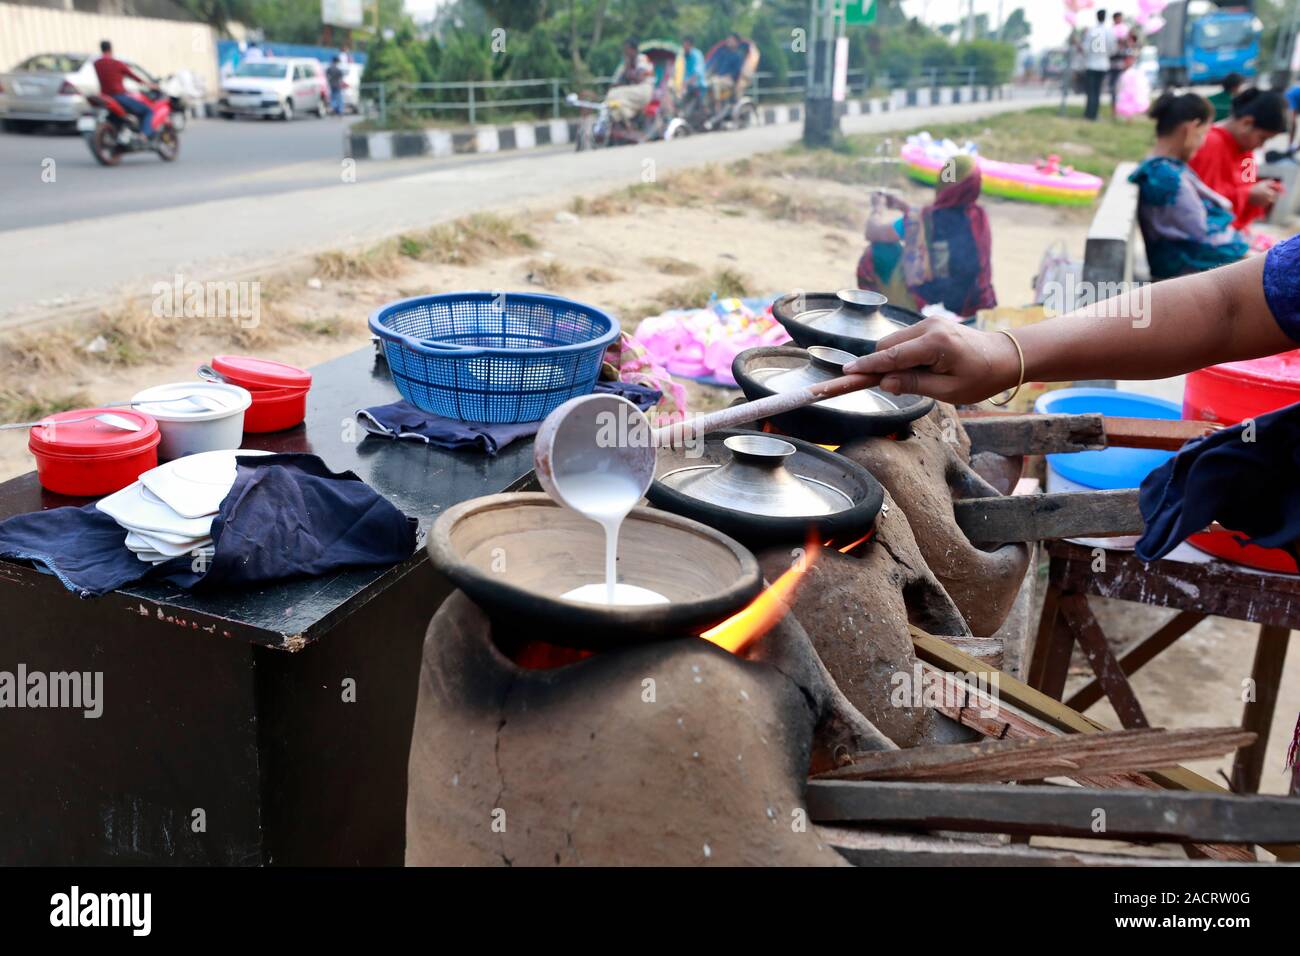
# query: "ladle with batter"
(596, 455)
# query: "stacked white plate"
(168, 512)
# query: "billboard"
(342, 13)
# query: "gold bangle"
(1015, 391)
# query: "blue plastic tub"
(1111, 467)
(490, 356)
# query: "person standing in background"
(1222, 100)
(1118, 58)
(334, 76)
(1098, 47)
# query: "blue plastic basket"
(490, 356)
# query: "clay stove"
(684, 750)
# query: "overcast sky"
(1047, 16)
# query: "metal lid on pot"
(757, 481)
(858, 316)
(823, 365)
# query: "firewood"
(994, 761)
(1036, 714)
(1012, 434)
(1178, 816)
(1084, 514)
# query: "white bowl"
(189, 430)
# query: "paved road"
(219, 159)
(246, 213)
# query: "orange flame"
(748, 625)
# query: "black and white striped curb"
(400, 144)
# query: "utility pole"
(821, 122)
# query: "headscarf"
(955, 218)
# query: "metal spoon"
(210, 374)
(108, 418)
(198, 401)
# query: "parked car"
(52, 88)
(280, 87)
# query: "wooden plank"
(875, 848)
(1134, 659)
(1008, 433)
(1034, 434)
(1177, 816)
(1085, 514)
(1165, 434)
(1270, 656)
(1000, 720)
(1055, 714)
(1079, 617)
(1214, 588)
(994, 761)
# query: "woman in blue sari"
(1187, 227)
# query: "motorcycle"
(112, 132)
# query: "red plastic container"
(1229, 394)
(279, 391)
(91, 458)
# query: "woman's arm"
(1159, 330)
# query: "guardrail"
(473, 99)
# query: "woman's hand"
(944, 360)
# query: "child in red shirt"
(1226, 161)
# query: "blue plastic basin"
(1111, 467)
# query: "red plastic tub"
(1229, 394)
(279, 391)
(89, 459)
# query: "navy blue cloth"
(83, 547)
(285, 516)
(1282, 285)
(404, 420)
(1247, 478)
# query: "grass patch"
(670, 266)
(469, 240)
(549, 273)
(696, 294)
(379, 262)
(25, 405)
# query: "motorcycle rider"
(111, 73)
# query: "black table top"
(419, 479)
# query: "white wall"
(160, 46)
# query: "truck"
(1205, 40)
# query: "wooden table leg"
(1139, 656)
(1053, 646)
(1270, 655)
(1078, 615)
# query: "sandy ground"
(607, 261)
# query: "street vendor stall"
(241, 726)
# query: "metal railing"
(472, 99)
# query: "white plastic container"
(189, 429)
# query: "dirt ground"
(643, 252)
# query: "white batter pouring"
(607, 498)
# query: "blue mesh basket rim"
(377, 326)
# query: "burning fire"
(739, 631)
